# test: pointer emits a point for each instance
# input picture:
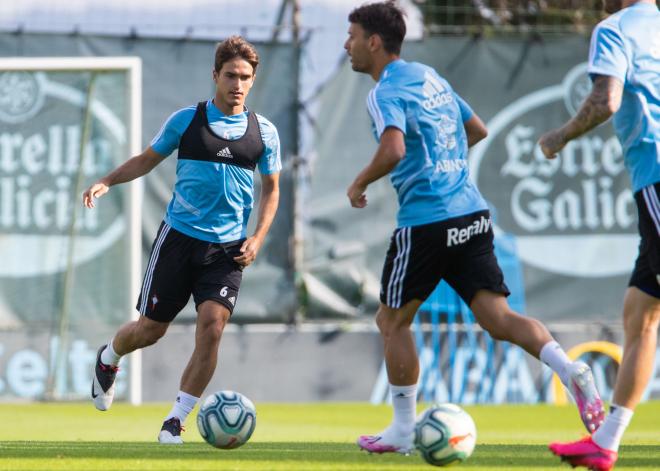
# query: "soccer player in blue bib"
(624, 65)
(444, 230)
(201, 247)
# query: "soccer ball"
(445, 434)
(226, 419)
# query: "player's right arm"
(608, 66)
(162, 145)
(603, 101)
(387, 111)
(391, 150)
(133, 168)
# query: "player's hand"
(551, 143)
(356, 195)
(249, 251)
(97, 190)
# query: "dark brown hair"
(233, 47)
(384, 19)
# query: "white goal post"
(132, 66)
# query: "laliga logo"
(574, 215)
(39, 167)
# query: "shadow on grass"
(490, 456)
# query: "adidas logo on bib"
(226, 153)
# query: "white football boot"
(103, 384)
(583, 389)
(170, 433)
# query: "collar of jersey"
(643, 5)
(210, 106)
(389, 67)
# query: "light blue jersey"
(212, 201)
(626, 45)
(432, 180)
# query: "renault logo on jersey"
(574, 215)
(435, 92)
(40, 164)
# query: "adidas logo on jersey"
(232, 300)
(226, 153)
(434, 92)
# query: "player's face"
(612, 6)
(357, 47)
(233, 83)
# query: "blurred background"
(85, 85)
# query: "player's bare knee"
(381, 321)
(650, 328)
(148, 332)
(496, 324)
(645, 323)
(152, 334)
(212, 331)
(211, 323)
(497, 332)
(390, 320)
(641, 320)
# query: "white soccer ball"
(226, 419)
(445, 434)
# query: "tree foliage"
(510, 14)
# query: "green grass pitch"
(291, 437)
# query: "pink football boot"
(382, 444)
(585, 453)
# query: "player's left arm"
(475, 129)
(603, 101)
(269, 167)
(391, 150)
(268, 202)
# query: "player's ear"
(214, 74)
(375, 42)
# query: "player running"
(624, 64)
(444, 229)
(201, 247)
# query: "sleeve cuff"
(592, 70)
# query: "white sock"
(109, 356)
(404, 402)
(609, 434)
(183, 405)
(555, 357)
